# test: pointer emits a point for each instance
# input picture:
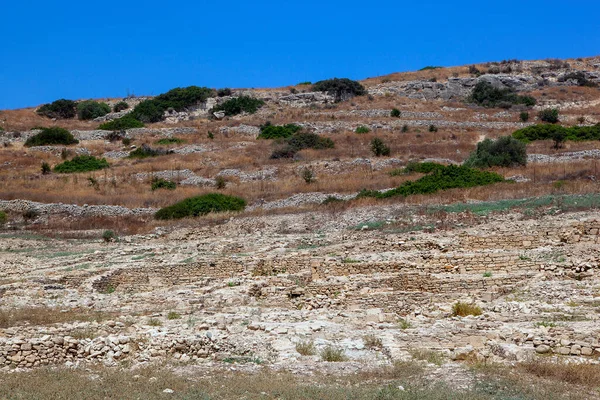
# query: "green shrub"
(300, 141)
(3, 217)
(362, 129)
(304, 83)
(505, 151)
(50, 136)
(126, 141)
(82, 164)
(395, 113)
(549, 131)
(45, 168)
(404, 128)
(109, 236)
(125, 122)
(441, 178)
(159, 183)
(224, 92)
(486, 95)
(148, 111)
(379, 148)
(549, 115)
(238, 105)
(90, 109)
(269, 131)
(340, 88)
(428, 67)
(579, 77)
(61, 109)
(170, 140)
(179, 99)
(524, 116)
(201, 205)
(145, 151)
(308, 140)
(422, 167)
(120, 106)
(433, 128)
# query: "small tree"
(505, 151)
(549, 115)
(340, 88)
(379, 148)
(308, 175)
(120, 106)
(524, 116)
(90, 109)
(109, 236)
(45, 168)
(559, 138)
(395, 113)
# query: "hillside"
(428, 234)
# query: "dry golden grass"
(47, 316)
(572, 373)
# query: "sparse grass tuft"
(306, 348)
(333, 354)
(432, 357)
(461, 309)
(173, 315)
(372, 342)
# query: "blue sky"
(98, 49)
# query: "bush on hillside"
(120, 106)
(238, 105)
(90, 109)
(362, 129)
(159, 183)
(340, 88)
(549, 115)
(201, 205)
(149, 111)
(505, 151)
(145, 151)
(549, 132)
(524, 116)
(300, 141)
(486, 95)
(3, 217)
(61, 109)
(123, 123)
(224, 92)
(49, 136)
(441, 178)
(422, 167)
(395, 113)
(82, 164)
(169, 140)
(179, 99)
(579, 77)
(379, 148)
(269, 131)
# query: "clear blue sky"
(91, 49)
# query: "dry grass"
(306, 348)
(372, 342)
(149, 382)
(572, 373)
(47, 316)
(461, 309)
